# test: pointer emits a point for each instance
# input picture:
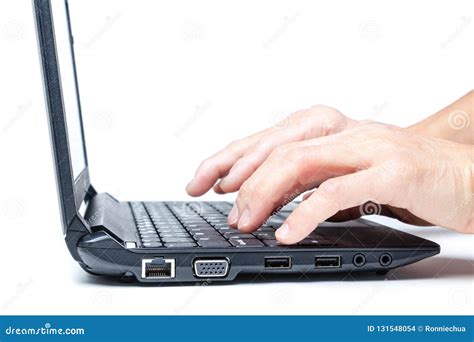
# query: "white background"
(165, 84)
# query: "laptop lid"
(63, 105)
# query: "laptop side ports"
(385, 259)
(158, 268)
(277, 262)
(211, 268)
(359, 260)
(327, 261)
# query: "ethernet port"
(158, 268)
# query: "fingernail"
(218, 189)
(229, 179)
(244, 219)
(188, 187)
(233, 215)
(283, 232)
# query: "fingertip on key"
(233, 217)
(282, 234)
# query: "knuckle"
(307, 208)
(289, 154)
(245, 190)
(206, 164)
(331, 187)
(323, 108)
(244, 164)
(234, 145)
(264, 143)
(278, 152)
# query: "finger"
(247, 165)
(302, 124)
(217, 189)
(219, 165)
(287, 173)
(297, 131)
(332, 196)
(307, 195)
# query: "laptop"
(180, 242)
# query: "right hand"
(233, 165)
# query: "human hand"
(239, 160)
(417, 178)
(430, 178)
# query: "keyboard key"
(211, 237)
(213, 243)
(152, 244)
(179, 244)
(191, 224)
(202, 229)
(274, 221)
(238, 235)
(272, 243)
(265, 235)
(245, 243)
(151, 238)
(177, 239)
(198, 235)
(308, 242)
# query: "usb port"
(327, 261)
(278, 262)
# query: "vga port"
(211, 268)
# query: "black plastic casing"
(72, 194)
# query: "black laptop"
(177, 242)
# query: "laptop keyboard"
(204, 224)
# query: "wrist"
(464, 182)
(451, 123)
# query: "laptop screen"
(68, 86)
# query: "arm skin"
(421, 175)
(454, 122)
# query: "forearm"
(454, 122)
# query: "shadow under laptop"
(432, 268)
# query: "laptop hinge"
(105, 213)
